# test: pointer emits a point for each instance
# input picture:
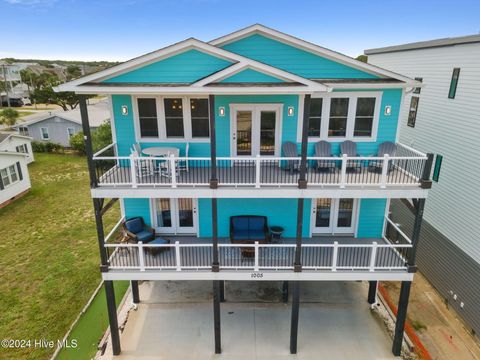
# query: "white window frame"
(9, 175)
(41, 133)
(161, 123)
(68, 133)
(352, 108)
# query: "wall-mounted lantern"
(124, 110)
(221, 111)
(388, 110)
(290, 111)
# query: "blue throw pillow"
(134, 225)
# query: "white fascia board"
(190, 90)
(354, 86)
(265, 193)
(310, 47)
(246, 275)
(170, 51)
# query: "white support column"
(383, 179)
(343, 176)
(133, 172)
(335, 256)
(177, 256)
(373, 256)
(141, 256)
(256, 268)
(257, 171)
(173, 171)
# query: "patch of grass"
(49, 254)
(25, 113)
(41, 107)
(92, 325)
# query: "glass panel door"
(244, 133)
(186, 211)
(163, 211)
(322, 216)
(267, 132)
(344, 216)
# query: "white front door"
(333, 216)
(256, 129)
(175, 216)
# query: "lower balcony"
(322, 258)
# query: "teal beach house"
(255, 156)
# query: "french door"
(333, 216)
(176, 216)
(256, 129)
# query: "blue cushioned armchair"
(136, 230)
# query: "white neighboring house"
(13, 142)
(14, 177)
(58, 127)
(443, 117)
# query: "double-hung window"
(44, 133)
(199, 118)
(364, 117)
(5, 177)
(22, 149)
(9, 176)
(453, 83)
(147, 117)
(174, 118)
(315, 120)
(70, 132)
(344, 116)
(412, 111)
(337, 126)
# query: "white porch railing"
(259, 257)
(404, 169)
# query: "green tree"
(73, 72)
(362, 58)
(101, 137)
(9, 116)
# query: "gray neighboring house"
(58, 127)
(443, 117)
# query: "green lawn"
(48, 254)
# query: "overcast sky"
(121, 29)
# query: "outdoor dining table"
(161, 151)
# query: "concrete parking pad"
(175, 321)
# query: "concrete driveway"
(175, 321)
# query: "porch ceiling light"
(290, 111)
(388, 110)
(124, 110)
(221, 111)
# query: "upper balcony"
(260, 176)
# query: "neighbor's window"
(417, 89)
(13, 173)
(364, 116)
(315, 119)
(22, 148)
(5, 177)
(174, 117)
(45, 135)
(199, 117)
(71, 132)
(337, 126)
(453, 83)
(412, 112)
(23, 130)
(147, 115)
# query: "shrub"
(46, 146)
(101, 137)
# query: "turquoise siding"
(370, 223)
(292, 59)
(289, 123)
(281, 212)
(137, 207)
(124, 124)
(250, 75)
(186, 67)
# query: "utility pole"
(6, 84)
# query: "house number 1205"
(256, 275)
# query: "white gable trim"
(17, 136)
(315, 49)
(172, 50)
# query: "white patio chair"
(183, 164)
